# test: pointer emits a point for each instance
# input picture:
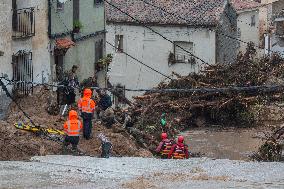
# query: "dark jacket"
(105, 102)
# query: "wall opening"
(22, 73)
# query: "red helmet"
(164, 135)
(180, 139)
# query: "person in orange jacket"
(179, 150)
(87, 107)
(165, 146)
(72, 128)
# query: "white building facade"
(182, 44)
(155, 52)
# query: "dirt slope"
(20, 145)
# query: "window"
(99, 46)
(180, 55)
(22, 71)
(96, 2)
(252, 21)
(119, 43)
(60, 5)
(280, 28)
(23, 23)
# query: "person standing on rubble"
(105, 111)
(87, 107)
(165, 146)
(179, 150)
(71, 81)
(72, 128)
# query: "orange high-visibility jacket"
(73, 126)
(86, 104)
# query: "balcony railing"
(23, 23)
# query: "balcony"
(23, 23)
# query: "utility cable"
(140, 62)
(188, 20)
(202, 90)
(43, 134)
(148, 27)
(12, 98)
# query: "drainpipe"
(49, 18)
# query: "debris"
(225, 107)
(18, 144)
(272, 148)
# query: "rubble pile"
(188, 109)
(21, 145)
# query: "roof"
(196, 12)
(240, 5)
(64, 43)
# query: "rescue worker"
(179, 150)
(87, 107)
(72, 128)
(165, 146)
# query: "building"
(201, 28)
(248, 23)
(24, 43)
(270, 22)
(77, 37)
(35, 36)
(275, 36)
(277, 40)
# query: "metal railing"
(23, 71)
(23, 23)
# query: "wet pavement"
(90, 172)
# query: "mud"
(21, 145)
(230, 143)
(87, 172)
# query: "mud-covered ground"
(21, 145)
(136, 173)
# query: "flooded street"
(129, 172)
(233, 144)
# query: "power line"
(144, 25)
(188, 20)
(43, 134)
(265, 88)
(140, 62)
(12, 98)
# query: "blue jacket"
(105, 102)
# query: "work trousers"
(87, 125)
(73, 140)
(106, 149)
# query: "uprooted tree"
(226, 107)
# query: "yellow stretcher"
(38, 129)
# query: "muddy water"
(234, 144)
